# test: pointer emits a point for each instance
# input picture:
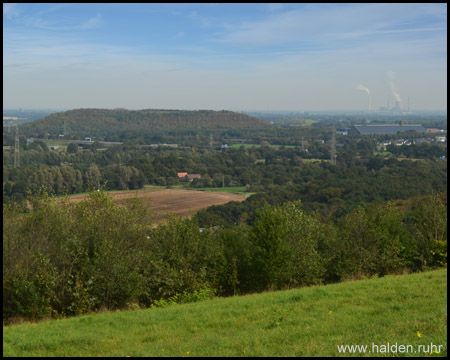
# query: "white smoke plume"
(363, 88)
(394, 90)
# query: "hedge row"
(63, 258)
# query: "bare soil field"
(178, 202)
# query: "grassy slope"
(300, 322)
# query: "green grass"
(308, 121)
(231, 189)
(315, 160)
(61, 143)
(301, 322)
(153, 187)
(237, 146)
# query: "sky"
(239, 57)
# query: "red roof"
(182, 174)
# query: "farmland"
(178, 202)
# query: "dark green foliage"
(429, 151)
(38, 145)
(234, 267)
(281, 174)
(128, 124)
(285, 242)
(370, 241)
(178, 259)
(427, 222)
(63, 258)
(123, 177)
(28, 289)
(72, 148)
(90, 251)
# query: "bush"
(72, 258)
(72, 148)
(234, 273)
(371, 241)
(28, 290)
(285, 248)
(179, 258)
(428, 223)
(65, 258)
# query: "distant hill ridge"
(107, 122)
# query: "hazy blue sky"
(224, 56)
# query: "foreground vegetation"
(314, 321)
(62, 258)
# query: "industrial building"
(384, 129)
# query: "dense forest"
(308, 220)
(120, 124)
(276, 174)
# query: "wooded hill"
(117, 122)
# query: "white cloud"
(202, 20)
(11, 10)
(92, 23)
(330, 22)
(52, 68)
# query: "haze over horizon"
(224, 56)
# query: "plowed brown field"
(178, 202)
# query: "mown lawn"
(402, 310)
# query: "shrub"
(234, 273)
(428, 223)
(285, 243)
(28, 290)
(72, 258)
(178, 258)
(370, 242)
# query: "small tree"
(285, 244)
(428, 223)
(72, 148)
(370, 242)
